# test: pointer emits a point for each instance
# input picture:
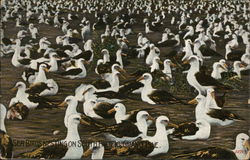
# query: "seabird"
(68, 148)
(98, 110)
(121, 115)
(17, 110)
(149, 146)
(242, 144)
(76, 72)
(124, 131)
(6, 143)
(96, 150)
(155, 96)
(214, 116)
(200, 129)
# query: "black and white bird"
(61, 149)
(6, 144)
(239, 152)
(155, 96)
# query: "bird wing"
(73, 71)
(130, 86)
(132, 114)
(161, 96)
(101, 84)
(223, 114)
(6, 145)
(54, 150)
(43, 102)
(24, 61)
(37, 88)
(209, 153)
(139, 147)
(185, 129)
(206, 80)
(124, 129)
(102, 109)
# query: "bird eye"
(242, 139)
(77, 119)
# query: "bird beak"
(124, 54)
(139, 79)
(82, 121)
(213, 95)
(86, 62)
(14, 89)
(111, 111)
(46, 69)
(225, 65)
(185, 62)
(172, 125)
(123, 76)
(126, 41)
(121, 70)
(247, 144)
(165, 122)
(85, 91)
(160, 62)
(63, 104)
(56, 56)
(193, 101)
(243, 65)
(87, 153)
(173, 65)
(151, 118)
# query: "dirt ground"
(41, 123)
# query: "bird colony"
(125, 79)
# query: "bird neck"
(53, 64)
(155, 66)
(199, 109)
(161, 131)
(195, 67)
(210, 102)
(147, 87)
(2, 125)
(87, 107)
(106, 58)
(72, 133)
(21, 92)
(98, 154)
(71, 107)
(142, 126)
(216, 73)
(167, 69)
(41, 77)
(237, 70)
(228, 50)
(119, 58)
(115, 82)
(90, 95)
(240, 149)
(191, 31)
(82, 66)
(17, 52)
